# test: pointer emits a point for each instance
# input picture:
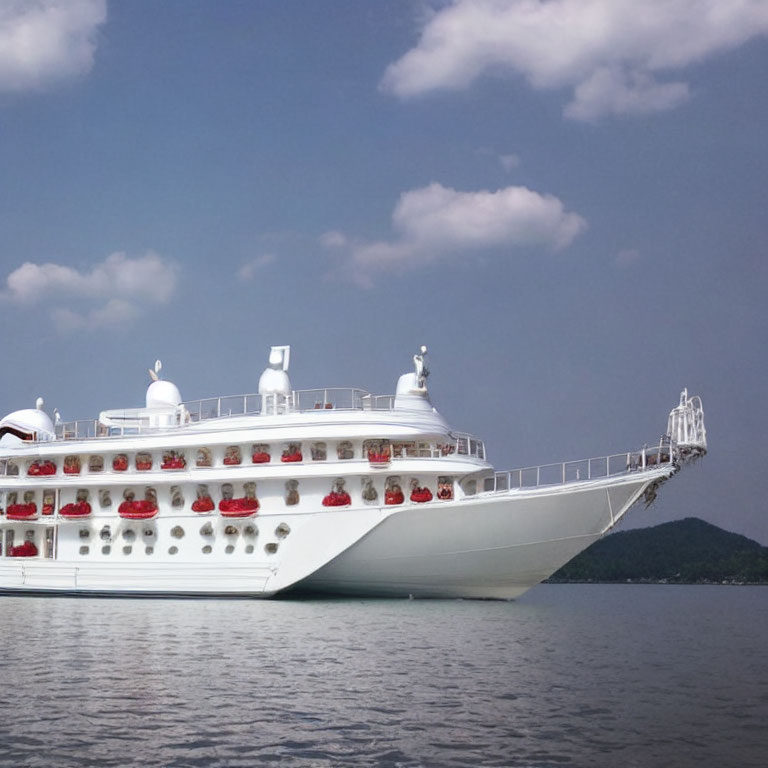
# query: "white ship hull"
(495, 545)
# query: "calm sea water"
(566, 676)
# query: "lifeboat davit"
(75, 510)
(203, 504)
(137, 510)
(21, 511)
(39, 468)
(242, 507)
(337, 499)
(27, 549)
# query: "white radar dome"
(162, 394)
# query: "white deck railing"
(583, 469)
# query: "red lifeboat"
(379, 459)
(174, 462)
(291, 457)
(75, 510)
(72, 468)
(144, 465)
(420, 495)
(337, 499)
(120, 463)
(137, 510)
(22, 511)
(260, 457)
(393, 497)
(242, 507)
(27, 549)
(39, 468)
(203, 504)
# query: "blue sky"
(565, 200)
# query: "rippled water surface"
(567, 675)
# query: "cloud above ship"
(433, 223)
(111, 293)
(46, 41)
(618, 57)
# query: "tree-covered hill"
(684, 551)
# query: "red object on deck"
(143, 466)
(47, 509)
(242, 507)
(21, 511)
(174, 463)
(137, 510)
(203, 504)
(119, 463)
(420, 495)
(27, 549)
(41, 468)
(260, 458)
(72, 469)
(288, 457)
(337, 499)
(393, 497)
(231, 461)
(75, 510)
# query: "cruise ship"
(334, 491)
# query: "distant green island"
(688, 551)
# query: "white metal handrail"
(583, 469)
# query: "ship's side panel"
(496, 547)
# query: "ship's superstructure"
(332, 490)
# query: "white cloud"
(111, 293)
(42, 41)
(248, 270)
(509, 162)
(436, 222)
(610, 52)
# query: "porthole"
(249, 549)
(148, 550)
(129, 534)
(250, 530)
(106, 549)
(84, 533)
(206, 530)
(207, 549)
(270, 548)
(127, 549)
(85, 549)
(105, 498)
(149, 532)
(229, 549)
(172, 550)
(177, 532)
(105, 533)
(231, 530)
(282, 530)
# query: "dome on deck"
(163, 394)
